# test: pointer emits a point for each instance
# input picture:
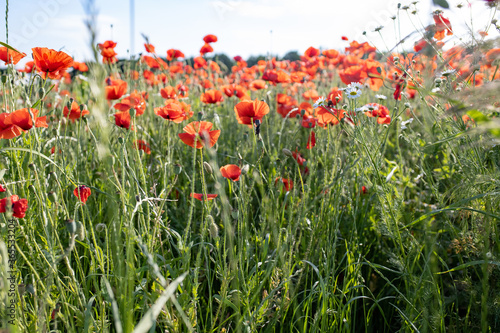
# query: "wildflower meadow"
(351, 189)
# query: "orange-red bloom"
(212, 97)
(168, 92)
(173, 54)
(80, 66)
(198, 133)
(115, 88)
(123, 119)
(442, 25)
(201, 197)
(172, 111)
(20, 121)
(249, 111)
(311, 141)
(50, 62)
(206, 49)
(134, 100)
(17, 206)
(10, 56)
(210, 39)
(75, 112)
(82, 192)
(231, 171)
(149, 48)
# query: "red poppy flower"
(257, 85)
(210, 39)
(168, 92)
(379, 111)
(15, 123)
(51, 62)
(10, 56)
(134, 100)
(352, 74)
(197, 133)
(231, 171)
(82, 192)
(171, 111)
(248, 111)
(109, 56)
(311, 141)
(2, 189)
(80, 66)
(287, 183)
(75, 112)
(211, 97)
(123, 119)
(206, 49)
(173, 54)
(199, 62)
(149, 48)
(115, 88)
(200, 196)
(442, 25)
(18, 206)
(142, 145)
(311, 52)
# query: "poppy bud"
(71, 226)
(100, 227)
(41, 92)
(234, 214)
(52, 196)
(80, 230)
(32, 166)
(407, 105)
(120, 140)
(31, 188)
(177, 169)
(131, 112)
(200, 115)
(4, 79)
(137, 198)
(207, 167)
(287, 152)
(83, 107)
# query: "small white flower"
(353, 90)
(404, 123)
(319, 102)
(448, 72)
(364, 108)
(381, 97)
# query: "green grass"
(417, 252)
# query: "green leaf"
(441, 3)
(9, 47)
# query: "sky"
(243, 27)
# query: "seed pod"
(287, 152)
(80, 230)
(132, 112)
(207, 167)
(52, 196)
(71, 226)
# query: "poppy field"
(349, 190)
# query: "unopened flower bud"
(52, 196)
(80, 230)
(32, 166)
(177, 169)
(207, 167)
(71, 226)
(287, 152)
(132, 112)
